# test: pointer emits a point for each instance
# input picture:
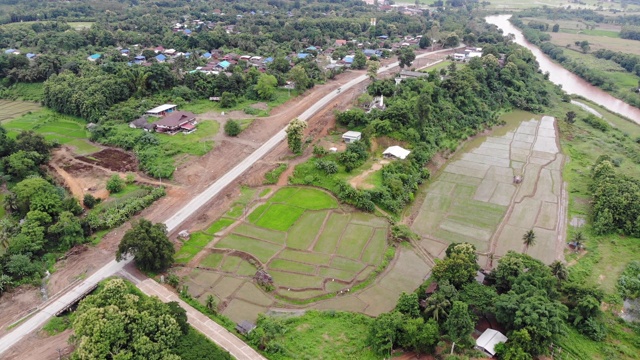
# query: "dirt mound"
(112, 159)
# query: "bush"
(115, 184)
(227, 100)
(232, 128)
(328, 166)
(596, 122)
(272, 176)
(90, 201)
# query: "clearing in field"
(10, 109)
(303, 240)
(477, 198)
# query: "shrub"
(227, 100)
(272, 176)
(89, 201)
(328, 166)
(596, 122)
(319, 151)
(115, 184)
(232, 128)
(130, 178)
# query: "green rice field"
(304, 241)
(10, 109)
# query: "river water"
(570, 82)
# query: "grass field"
(205, 105)
(303, 240)
(63, 129)
(31, 92)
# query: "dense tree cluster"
(629, 62)
(149, 244)
(615, 200)
(118, 322)
(630, 32)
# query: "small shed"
(459, 57)
(245, 327)
(162, 110)
(184, 235)
(351, 136)
(396, 152)
(489, 339)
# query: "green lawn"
(212, 260)
(218, 225)
(197, 241)
(307, 198)
(204, 105)
(292, 266)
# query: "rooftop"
(161, 108)
(489, 339)
(397, 151)
(352, 134)
(175, 119)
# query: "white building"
(351, 136)
(396, 152)
(489, 339)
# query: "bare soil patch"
(112, 159)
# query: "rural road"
(37, 320)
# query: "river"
(570, 82)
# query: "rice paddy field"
(59, 128)
(10, 109)
(316, 252)
(475, 198)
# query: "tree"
(227, 100)
(570, 117)
(459, 266)
(515, 348)
(438, 306)
(232, 128)
(528, 239)
(419, 336)
(359, 60)
(384, 332)
(406, 56)
(425, 42)
(115, 184)
(452, 40)
(559, 270)
(459, 324)
(180, 315)
(578, 239)
(266, 86)
(408, 305)
(295, 132)
(149, 244)
(67, 230)
(210, 303)
(372, 69)
(299, 76)
(555, 28)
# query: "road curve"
(43, 315)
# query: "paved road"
(41, 317)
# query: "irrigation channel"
(569, 81)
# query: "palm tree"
(437, 306)
(578, 239)
(559, 270)
(528, 239)
(210, 303)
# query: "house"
(412, 74)
(206, 55)
(176, 121)
(245, 327)
(245, 57)
(255, 58)
(459, 57)
(187, 32)
(396, 152)
(348, 59)
(311, 48)
(124, 52)
(302, 55)
(377, 103)
(480, 276)
(139, 59)
(340, 42)
(159, 49)
(223, 65)
(12, 52)
(351, 136)
(268, 60)
(170, 52)
(162, 110)
(142, 123)
(94, 57)
(161, 58)
(489, 339)
(31, 56)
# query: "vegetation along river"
(570, 82)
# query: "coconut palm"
(578, 239)
(559, 270)
(528, 239)
(437, 306)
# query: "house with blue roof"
(187, 32)
(224, 64)
(206, 55)
(348, 59)
(312, 48)
(124, 51)
(161, 58)
(12, 51)
(94, 57)
(31, 56)
(268, 60)
(187, 55)
(302, 55)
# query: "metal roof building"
(489, 339)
